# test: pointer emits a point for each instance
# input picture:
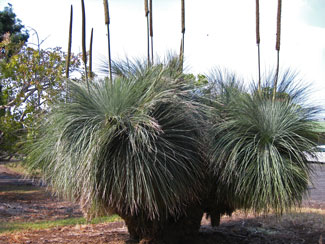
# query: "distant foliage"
(30, 81)
(12, 33)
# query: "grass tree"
(259, 148)
(134, 148)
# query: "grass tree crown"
(129, 146)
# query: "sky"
(219, 33)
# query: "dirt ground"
(22, 201)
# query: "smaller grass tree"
(259, 148)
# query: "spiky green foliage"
(131, 147)
(224, 85)
(289, 87)
(259, 147)
(137, 68)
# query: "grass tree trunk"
(277, 47)
(183, 229)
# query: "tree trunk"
(183, 229)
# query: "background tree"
(12, 28)
(12, 38)
(30, 80)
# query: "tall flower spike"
(146, 10)
(83, 39)
(69, 44)
(151, 29)
(258, 40)
(107, 22)
(183, 33)
(277, 46)
(91, 54)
